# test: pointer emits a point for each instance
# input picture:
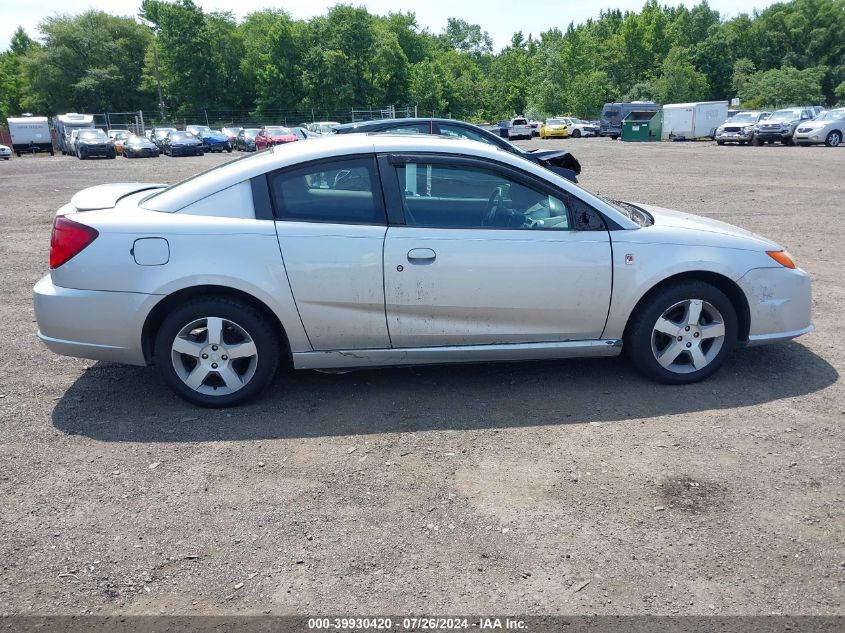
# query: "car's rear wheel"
(216, 352)
(833, 139)
(682, 333)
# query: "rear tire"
(213, 327)
(682, 333)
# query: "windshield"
(574, 120)
(554, 122)
(277, 130)
(137, 139)
(831, 115)
(93, 134)
(251, 132)
(743, 117)
(785, 115)
(162, 133)
(180, 136)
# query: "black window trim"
(378, 195)
(393, 193)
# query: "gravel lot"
(480, 489)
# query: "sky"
(501, 18)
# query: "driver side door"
(489, 255)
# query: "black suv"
(559, 161)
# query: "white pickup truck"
(30, 134)
(519, 128)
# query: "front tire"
(833, 139)
(576, 133)
(216, 352)
(682, 333)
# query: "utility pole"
(158, 80)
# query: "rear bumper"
(90, 323)
(779, 302)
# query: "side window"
(457, 196)
(414, 128)
(447, 129)
(339, 191)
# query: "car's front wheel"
(682, 333)
(833, 139)
(216, 352)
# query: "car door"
(488, 255)
(330, 222)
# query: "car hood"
(555, 158)
(707, 227)
(217, 139)
(107, 196)
(815, 125)
(283, 137)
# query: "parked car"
(827, 128)
(159, 134)
(118, 137)
(579, 127)
(303, 133)
(274, 135)
(197, 129)
(559, 161)
(246, 139)
(399, 250)
(781, 124)
(91, 143)
(554, 128)
(74, 135)
(214, 141)
(323, 127)
(139, 147)
(740, 127)
(231, 133)
(181, 144)
(519, 128)
(5, 152)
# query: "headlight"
(720, 130)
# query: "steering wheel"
(492, 210)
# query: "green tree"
(782, 87)
(679, 81)
(91, 61)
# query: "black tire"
(246, 317)
(576, 133)
(614, 136)
(788, 141)
(720, 142)
(834, 138)
(640, 330)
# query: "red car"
(274, 135)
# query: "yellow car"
(554, 128)
(118, 137)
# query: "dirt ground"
(572, 487)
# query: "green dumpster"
(642, 126)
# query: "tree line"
(790, 53)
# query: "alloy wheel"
(688, 336)
(214, 356)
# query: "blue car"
(214, 141)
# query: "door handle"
(421, 255)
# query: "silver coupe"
(375, 250)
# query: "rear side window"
(342, 191)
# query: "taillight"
(68, 239)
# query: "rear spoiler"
(107, 196)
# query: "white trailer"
(30, 134)
(688, 121)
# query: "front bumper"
(96, 150)
(773, 135)
(779, 302)
(742, 136)
(813, 136)
(557, 133)
(91, 323)
(191, 150)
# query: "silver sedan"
(374, 250)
